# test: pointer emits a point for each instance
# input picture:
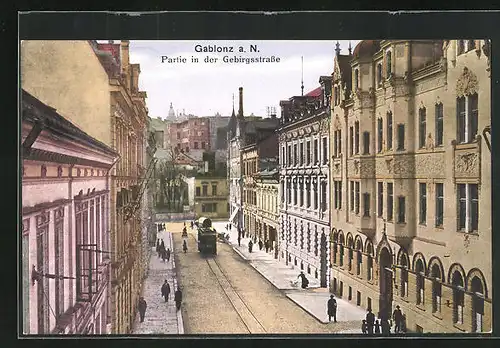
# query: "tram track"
(252, 324)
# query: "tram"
(207, 236)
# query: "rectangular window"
(366, 204)
(401, 137)
(380, 203)
(335, 143)
(282, 192)
(380, 135)
(324, 204)
(390, 201)
(468, 207)
(358, 197)
(315, 188)
(351, 140)
(335, 194)
(26, 282)
(308, 194)
(289, 163)
(295, 192)
(205, 190)
(325, 150)
(401, 210)
(316, 158)
(356, 137)
(203, 145)
(198, 191)
(352, 196)
(422, 127)
(196, 145)
(301, 194)
(283, 158)
(422, 203)
(59, 260)
(301, 154)
(473, 117)
(439, 204)
(439, 124)
(42, 265)
(366, 143)
(295, 155)
(467, 118)
(214, 190)
(308, 152)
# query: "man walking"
(165, 290)
(142, 308)
(305, 281)
(332, 308)
(370, 321)
(168, 254)
(397, 316)
(178, 298)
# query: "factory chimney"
(240, 111)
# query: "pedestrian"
(266, 245)
(250, 246)
(332, 309)
(142, 308)
(364, 327)
(162, 245)
(163, 254)
(165, 290)
(178, 298)
(397, 316)
(168, 254)
(230, 226)
(370, 321)
(305, 281)
(184, 246)
(261, 245)
(239, 239)
(158, 247)
(377, 327)
(192, 225)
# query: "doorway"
(385, 282)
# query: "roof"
(366, 48)
(33, 110)
(314, 93)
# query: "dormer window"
(356, 79)
(389, 63)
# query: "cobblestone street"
(207, 307)
(161, 317)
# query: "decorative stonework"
(404, 165)
(430, 164)
(467, 83)
(429, 83)
(42, 219)
(466, 164)
(367, 168)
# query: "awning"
(233, 215)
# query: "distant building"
(210, 196)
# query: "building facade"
(65, 224)
(408, 151)
(304, 186)
(210, 197)
(108, 105)
(191, 136)
(267, 208)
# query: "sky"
(205, 88)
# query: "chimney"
(124, 57)
(240, 111)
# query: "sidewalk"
(161, 317)
(313, 300)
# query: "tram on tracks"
(207, 236)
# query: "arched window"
(356, 79)
(359, 257)
(350, 252)
(477, 289)
(457, 282)
(341, 250)
(335, 92)
(420, 272)
(369, 260)
(389, 63)
(404, 276)
(436, 288)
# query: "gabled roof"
(314, 93)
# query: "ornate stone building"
(409, 154)
(211, 195)
(304, 188)
(65, 224)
